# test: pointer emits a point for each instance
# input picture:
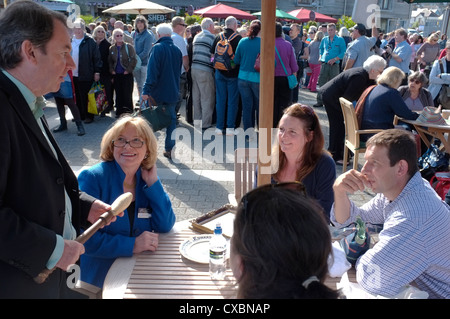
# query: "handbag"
(158, 116)
(138, 63)
(257, 65)
(97, 100)
(356, 243)
(432, 161)
(444, 93)
(292, 79)
(432, 116)
(441, 183)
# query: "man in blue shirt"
(401, 55)
(332, 49)
(163, 78)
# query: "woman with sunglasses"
(300, 155)
(122, 61)
(414, 94)
(280, 246)
(129, 153)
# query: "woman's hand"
(145, 241)
(150, 176)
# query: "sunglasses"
(184, 25)
(415, 81)
(296, 186)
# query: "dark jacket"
(128, 59)
(32, 203)
(104, 54)
(164, 71)
(234, 43)
(89, 60)
(349, 84)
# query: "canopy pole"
(266, 88)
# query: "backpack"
(224, 55)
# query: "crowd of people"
(281, 243)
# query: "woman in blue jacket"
(129, 153)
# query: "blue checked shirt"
(413, 246)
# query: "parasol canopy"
(304, 15)
(139, 7)
(223, 11)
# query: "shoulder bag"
(292, 79)
(138, 63)
(158, 116)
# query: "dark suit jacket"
(32, 204)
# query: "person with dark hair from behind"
(280, 246)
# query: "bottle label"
(216, 254)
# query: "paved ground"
(201, 175)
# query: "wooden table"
(438, 131)
(166, 274)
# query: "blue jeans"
(250, 102)
(169, 143)
(227, 99)
(140, 76)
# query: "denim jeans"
(227, 99)
(169, 142)
(140, 76)
(250, 102)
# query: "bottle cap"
(218, 229)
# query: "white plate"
(196, 248)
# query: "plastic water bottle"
(217, 254)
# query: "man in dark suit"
(41, 207)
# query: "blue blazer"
(153, 212)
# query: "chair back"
(245, 161)
(351, 122)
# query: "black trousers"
(282, 98)
(336, 138)
(81, 93)
(123, 85)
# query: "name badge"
(143, 213)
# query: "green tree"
(192, 19)
(345, 21)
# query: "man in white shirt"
(413, 245)
(179, 27)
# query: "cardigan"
(424, 95)
(153, 212)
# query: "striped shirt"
(201, 51)
(413, 246)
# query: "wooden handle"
(120, 204)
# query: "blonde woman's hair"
(392, 76)
(96, 29)
(144, 131)
(318, 37)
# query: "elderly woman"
(99, 35)
(439, 78)
(414, 94)
(122, 60)
(384, 102)
(129, 154)
(349, 84)
(280, 246)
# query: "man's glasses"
(296, 186)
(134, 143)
(184, 25)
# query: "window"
(385, 4)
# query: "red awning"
(304, 16)
(223, 11)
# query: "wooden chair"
(93, 292)
(245, 161)
(353, 133)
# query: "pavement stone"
(201, 175)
